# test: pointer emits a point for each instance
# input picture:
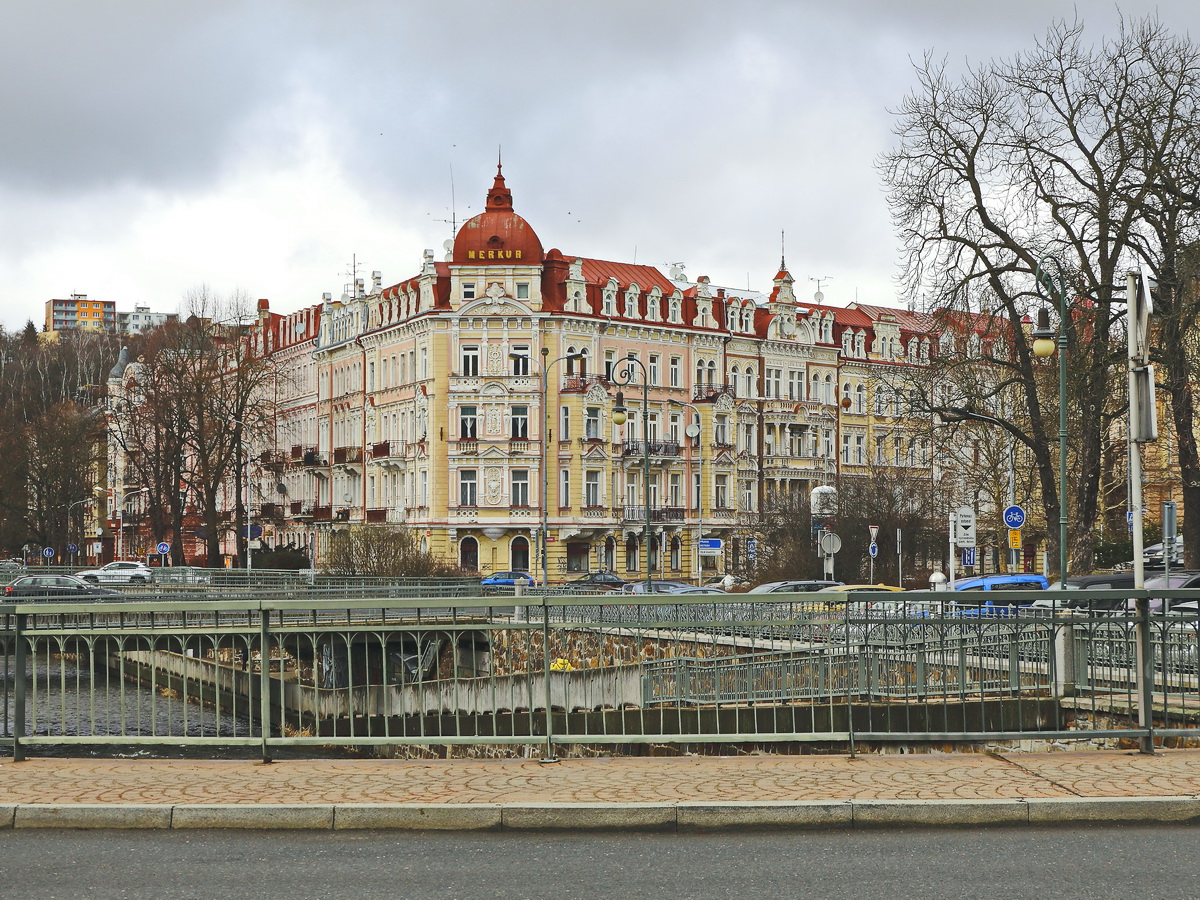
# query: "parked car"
(792, 587)
(57, 587)
(854, 588)
(508, 579)
(656, 587)
(119, 572)
(1015, 582)
(705, 589)
(605, 581)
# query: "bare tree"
(382, 551)
(1030, 156)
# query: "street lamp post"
(71, 506)
(620, 416)
(1043, 347)
(545, 496)
(245, 477)
(121, 519)
(700, 491)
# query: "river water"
(66, 697)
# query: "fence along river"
(605, 670)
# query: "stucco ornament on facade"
(493, 485)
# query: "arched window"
(815, 393)
(468, 554)
(676, 554)
(518, 553)
(610, 554)
(829, 389)
(712, 372)
(632, 556)
(749, 381)
(860, 399)
(570, 362)
(846, 395)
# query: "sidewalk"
(692, 793)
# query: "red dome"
(498, 236)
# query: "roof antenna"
(782, 251)
(819, 296)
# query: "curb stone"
(806, 814)
(938, 813)
(589, 816)
(1114, 810)
(8, 815)
(269, 816)
(92, 815)
(418, 816)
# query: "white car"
(119, 572)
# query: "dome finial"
(499, 197)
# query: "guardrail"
(328, 665)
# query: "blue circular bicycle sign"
(164, 548)
(1014, 516)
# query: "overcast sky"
(147, 148)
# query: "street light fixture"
(620, 416)
(545, 495)
(1043, 346)
(700, 478)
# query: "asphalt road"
(1008, 864)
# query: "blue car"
(999, 606)
(508, 579)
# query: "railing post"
(1064, 670)
(264, 681)
(1145, 673)
(21, 661)
(549, 757)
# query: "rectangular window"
(564, 423)
(673, 371)
(609, 362)
(564, 488)
(520, 423)
(696, 490)
(720, 433)
(721, 495)
(860, 449)
(675, 490)
(591, 424)
(468, 423)
(654, 368)
(632, 494)
(468, 290)
(673, 428)
(522, 290)
(520, 359)
(519, 484)
(467, 482)
(591, 488)
(846, 448)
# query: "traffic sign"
(164, 548)
(72, 548)
(964, 527)
(752, 548)
(1014, 539)
(874, 529)
(1129, 519)
(711, 543)
(968, 556)
(873, 549)
(1014, 517)
(47, 552)
(830, 543)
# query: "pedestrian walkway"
(706, 791)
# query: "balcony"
(312, 459)
(272, 459)
(517, 446)
(658, 515)
(467, 445)
(657, 448)
(710, 392)
(322, 513)
(578, 384)
(297, 509)
(270, 511)
(347, 456)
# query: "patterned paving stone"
(697, 779)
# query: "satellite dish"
(281, 489)
(819, 297)
(347, 497)
(692, 430)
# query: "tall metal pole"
(1046, 280)
(700, 489)
(121, 520)
(625, 376)
(545, 496)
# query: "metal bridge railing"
(335, 664)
